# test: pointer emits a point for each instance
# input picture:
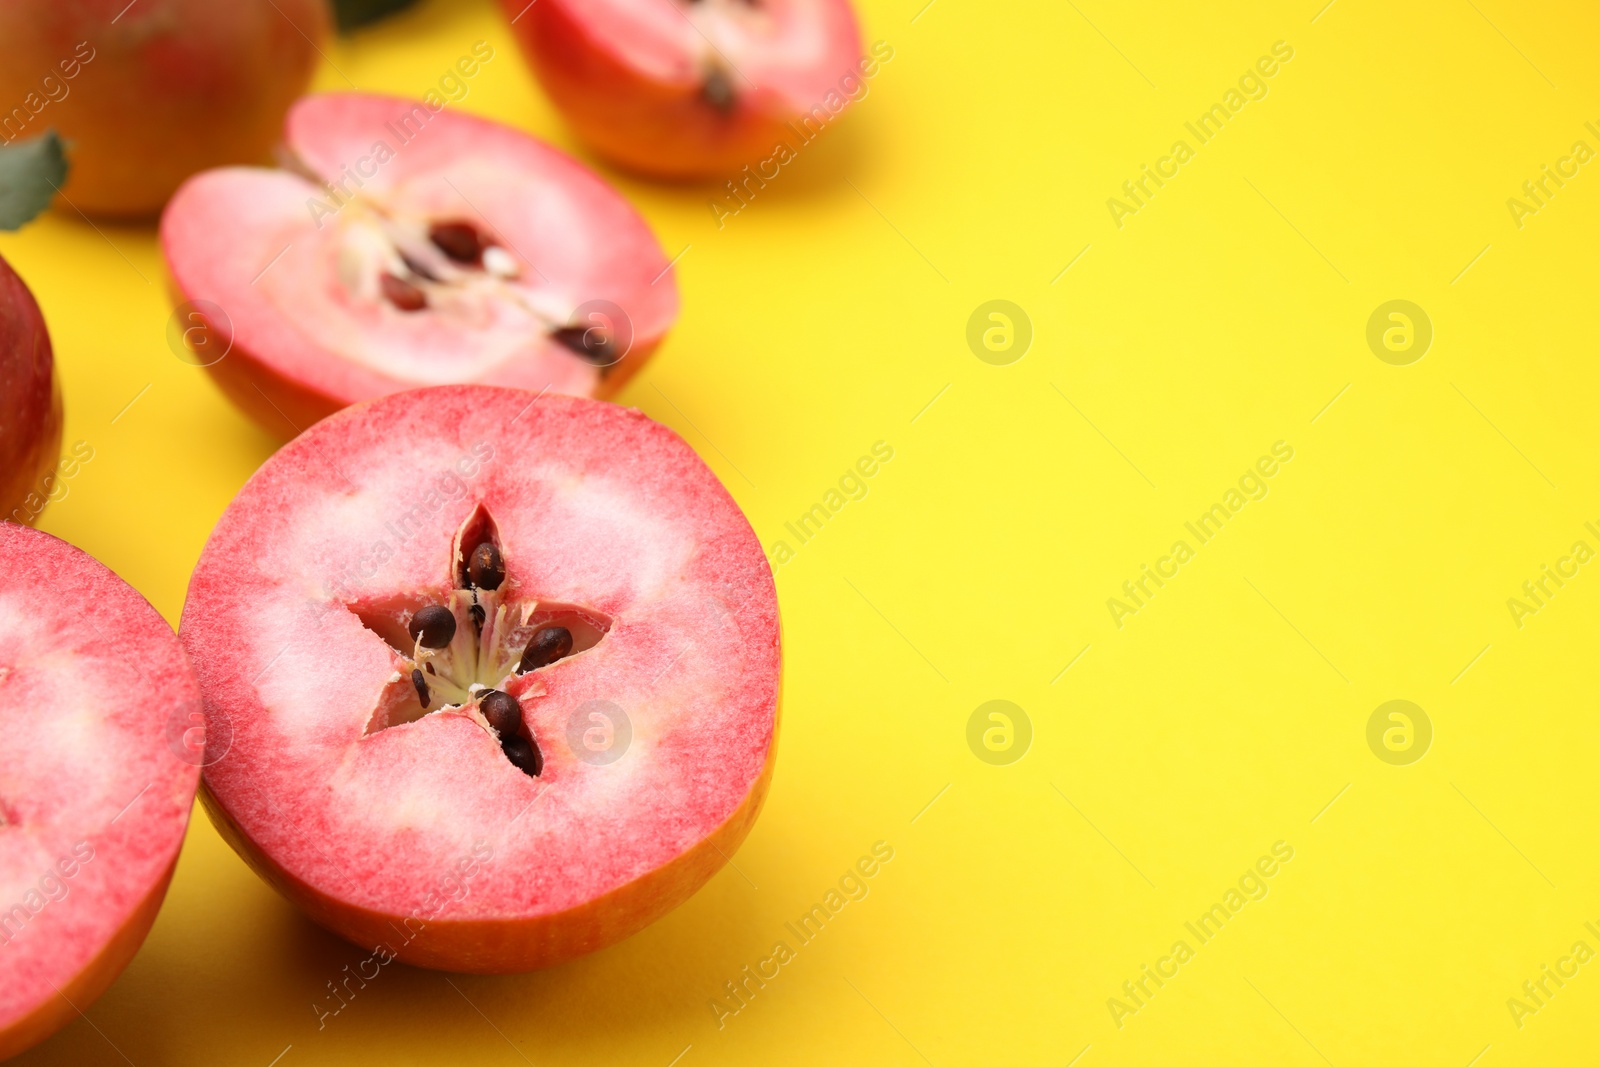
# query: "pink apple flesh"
(97, 777)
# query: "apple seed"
(433, 626)
(485, 569)
(502, 712)
(524, 757)
(401, 293)
(548, 645)
(458, 240)
(421, 684)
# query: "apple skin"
(657, 128)
(169, 88)
(285, 407)
(515, 946)
(86, 987)
(30, 403)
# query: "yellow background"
(1225, 716)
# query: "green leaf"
(353, 14)
(30, 173)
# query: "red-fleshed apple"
(30, 403)
(693, 88)
(151, 92)
(501, 672)
(411, 247)
(97, 777)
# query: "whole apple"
(30, 403)
(148, 93)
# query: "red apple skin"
(287, 407)
(92, 981)
(512, 947)
(658, 129)
(169, 88)
(30, 403)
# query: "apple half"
(692, 88)
(104, 741)
(404, 246)
(499, 673)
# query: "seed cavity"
(458, 240)
(548, 645)
(524, 755)
(454, 672)
(401, 293)
(419, 268)
(718, 90)
(434, 626)
(485, 568)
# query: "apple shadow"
(819, 172)
(668, 971)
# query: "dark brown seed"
(422, 688)
(591, 342)
(478, 615)
(547, 646)
(485, 569)
(502, 711)
(433, 626)
(524, 756)
(458, 240)
(401, 293)
(718, 90)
